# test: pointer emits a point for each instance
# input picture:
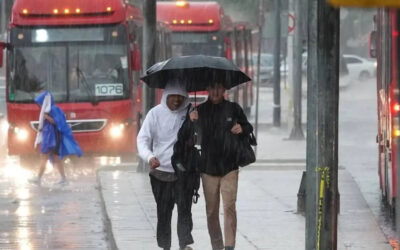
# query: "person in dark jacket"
(218, 122)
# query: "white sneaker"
(35, 180)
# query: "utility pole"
(149, 48)
(322, 126)
(3, 15)
(277, 68)
(149, 57)
(297, 131)
(290, 57)
(260, 39)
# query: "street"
(95, 60)
(50, 216)
(358, 150)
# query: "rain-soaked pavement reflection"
(50, 216)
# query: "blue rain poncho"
(57, 137)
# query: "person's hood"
(40, 98)
(174, 87)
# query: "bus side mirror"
(372, 44)
(136, 60)
(2, 47)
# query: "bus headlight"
(22, 134)
(117, 130)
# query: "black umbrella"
(197, 72)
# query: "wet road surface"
(50, 216)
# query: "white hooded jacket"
(159, 131)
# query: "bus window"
(188, 43)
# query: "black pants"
(166, 194)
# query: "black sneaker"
(186, 248)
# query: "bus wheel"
(385, 191)
(392, 208)
(364, 75)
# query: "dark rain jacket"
(185, 161)
(218, 143)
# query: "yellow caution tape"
(325, 178)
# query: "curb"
(280, 161)
(106, 219)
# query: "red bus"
(204, 28)
(86, 54)
(385, 43)
(242, 56)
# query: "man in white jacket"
(155, 143)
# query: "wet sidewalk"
(267, 196)
(266, 207)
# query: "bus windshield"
(85, 64)
(191, 43)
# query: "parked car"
(267, 68)
(360, 68)
(344, 76)
(343, 70)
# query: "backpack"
(186, 159)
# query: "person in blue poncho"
(54, 136)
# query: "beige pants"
(227, 186)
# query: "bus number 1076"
(109, 89)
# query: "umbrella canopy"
(197, 72)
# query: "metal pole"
(149, 57)
(290, 63)
(328, 100)
(3, 18)
(322, 127)
(277, 71)
(397, 202)
(297, 131)
(260, 27)
(149, 48)
(311, 155)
